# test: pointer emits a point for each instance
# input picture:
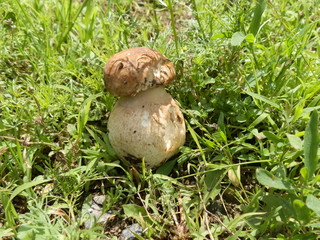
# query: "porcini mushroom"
(146, 122)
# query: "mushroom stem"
(149, 125)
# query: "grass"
(248, 83)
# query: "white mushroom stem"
(149, 125)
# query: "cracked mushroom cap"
(137, 69)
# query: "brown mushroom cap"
(137, 69)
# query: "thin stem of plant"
(173, 26)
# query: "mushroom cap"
(149, 125)
(137, 69)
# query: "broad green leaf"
(276, 202)
(302, 212)
(271, 136)
(268, 179)
(250, 38)
(71, 128)
(137, 212)
(258, 134)
(280, 171)
(304, 173)
(263, 99)
(256, 20)
(311, 144)
(133, 210)
(237, 38)
(313, 203)
(212, 181)
(166, 168)
(218, 35)
(213, 178)
(294, 141)
(221, 124)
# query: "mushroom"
(146, 122)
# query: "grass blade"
(195, 138)
(196, 13)
(263, 99)
(9, 210)
(173, 25)
(26, 186)
(84, 113)
(71, 23)
(311, 144)
(258, 120)
(26, 15)
(102, 142)
(256, 20)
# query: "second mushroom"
(146, 122)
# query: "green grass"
(248, 83)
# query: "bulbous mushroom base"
(149, 125)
